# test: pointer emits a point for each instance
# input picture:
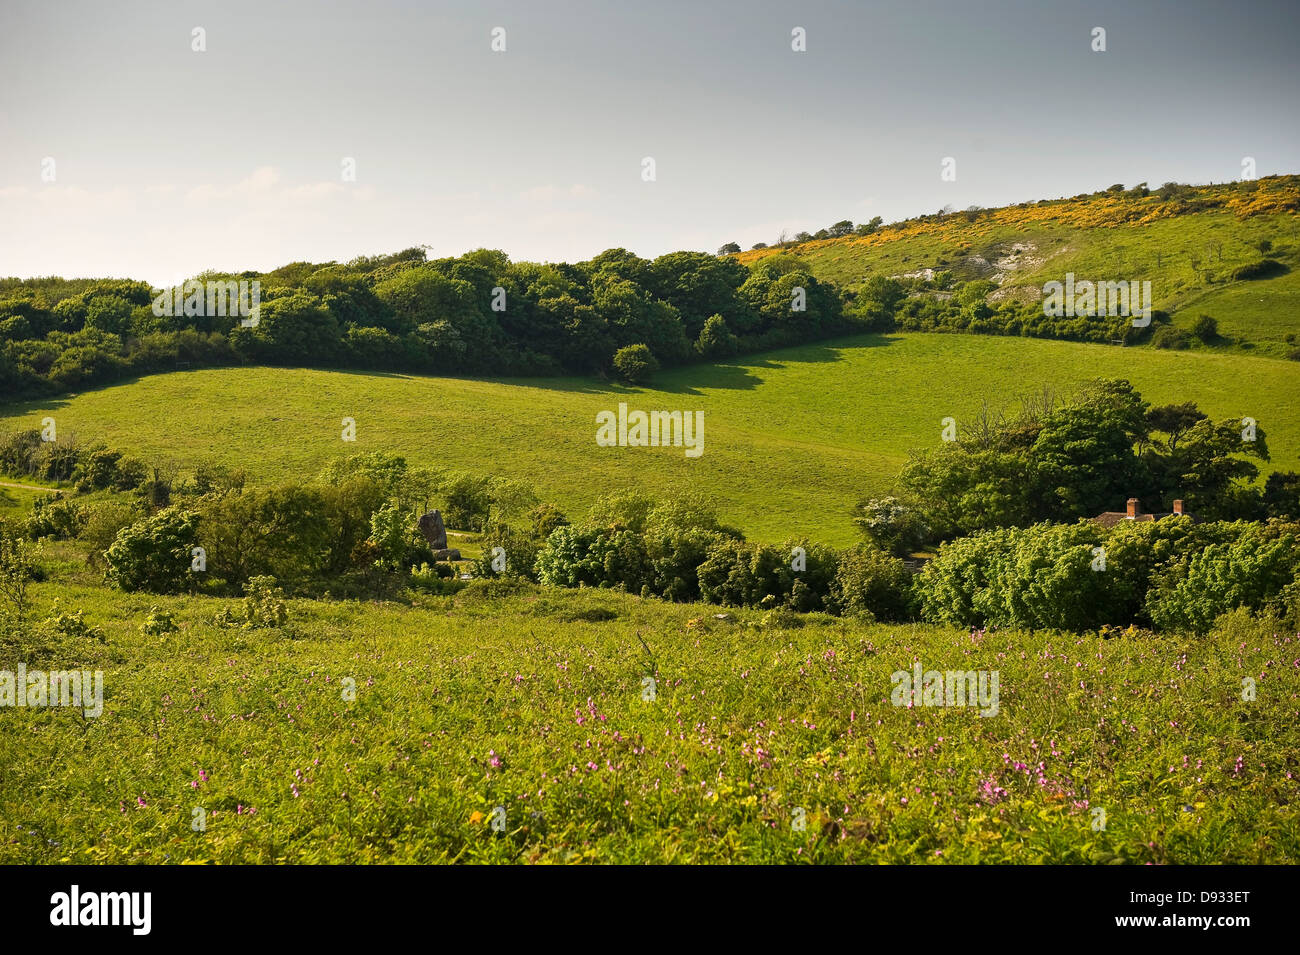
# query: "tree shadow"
(739, 374)
(26, 406)
(735, 374)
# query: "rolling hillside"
(1187, 245)
(792, 438)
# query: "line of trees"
(478, 313)
(836, 230)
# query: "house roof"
(1109, 519)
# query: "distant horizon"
(430, 251)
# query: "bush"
(19, 568)
(159, 623)
(154, 554)
(740, 574)
(264, 606)
(812, 568)
(1255, 571)
(466, 501)
(566, 559)
(103, 522)
(56, 517)
(395, 533)
(131, 475)
(439, 579)
(891, 525)
(1035, 577)
(545, 518)
(1136, 550)
(1282, 495)
(1170, 337)
(97, 470)
(290, 533)
(70, 626)
(1080, 577)
(635, 364)
(102, 469)
(1205, 328)
(869, 581)
(19, 451)
(675, 554)
(520, 553)
(623, 510)
(716, 340)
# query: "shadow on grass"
(739, 374)
(736, 374)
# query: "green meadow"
(792, 438)
(511, 723)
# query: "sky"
(126, 152)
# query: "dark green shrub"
(870, 581)
(1171, 338)
(1205, 328)
(635, 364)
(741, 574)
(154, 554)
(1256, 571)
(518, 551)
(891, 525)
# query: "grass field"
(791, 438)
(533, 702)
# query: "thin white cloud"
(551, 192)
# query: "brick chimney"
(1133, 508)
(1178, 508)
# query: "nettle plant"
(263, 607)
(159, 623)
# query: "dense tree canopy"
(1060, 462)
(478, 313)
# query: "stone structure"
(435, 533)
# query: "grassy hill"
(792, 438)
(1188, 244)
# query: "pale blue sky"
(169, 161)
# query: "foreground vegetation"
(532, 700)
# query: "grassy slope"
(1184, 257)
(16, 503)
(792, 438)
(749, 722)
